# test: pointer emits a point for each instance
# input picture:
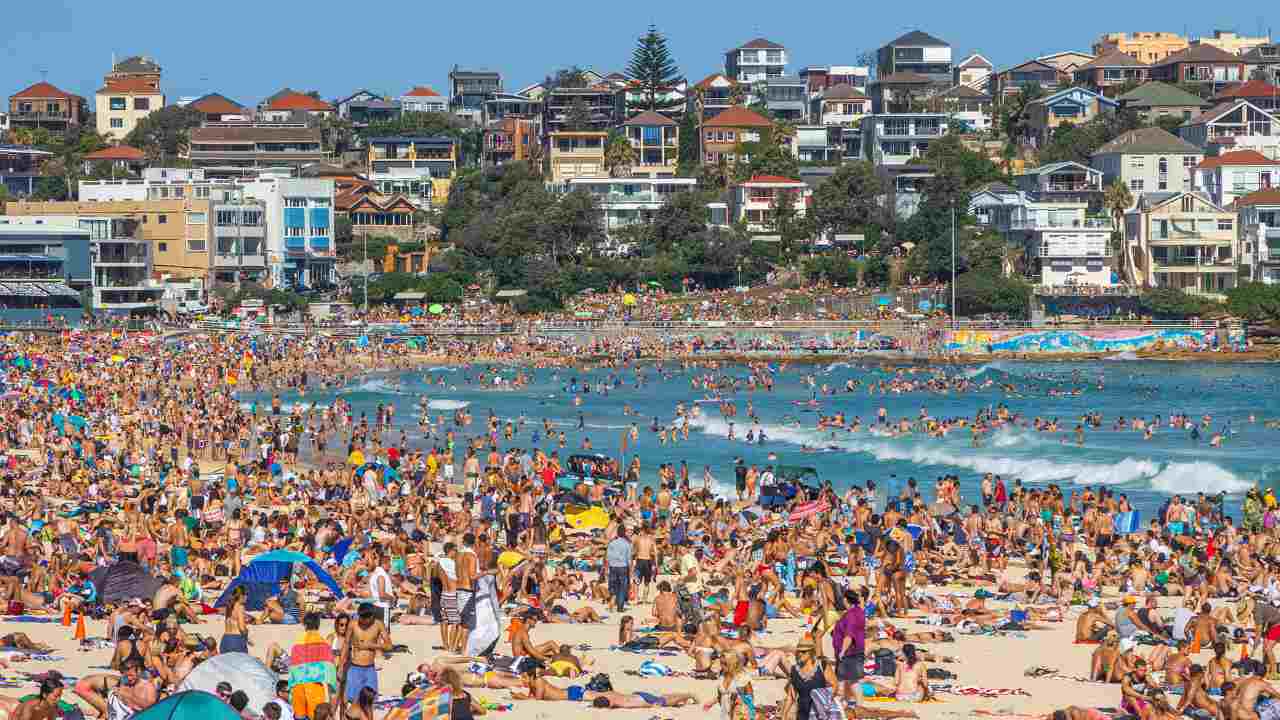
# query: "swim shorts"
(449, 605)
(360, 677)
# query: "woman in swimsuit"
(235, 636)
(910, 679)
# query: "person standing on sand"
(646, 572)
(618, 558)
(365, 639)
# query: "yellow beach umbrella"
(628, 299)
(356, 458)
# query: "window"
(142, 103)
(197, 218)
(195, 244)
(226, 217)
(119, 103)
(117, 123)
(1225, 224)
(164, 247)
(1188, 204)
(1137, 162)
(729, 135)
(1163, 229)
(1136, 184)
(295, 231)
(711, 136)
(1189, 161)
(1186, 115)
(162, 219)
(319, 202)
(202, 192)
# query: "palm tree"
(1117, 199)
(619, 156)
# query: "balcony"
(122, 259)
(1071, 186)
(39, 117)
(1050, 223)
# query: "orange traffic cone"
(80, 634)
(66, 616)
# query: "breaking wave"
(1164, 477)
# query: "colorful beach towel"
(311, 662)
(432, 703)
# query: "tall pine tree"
(654, 72)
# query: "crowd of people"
(177, 456)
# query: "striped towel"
(311, 661)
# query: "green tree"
(417, 123)
(1256, 302)
(949, 154)
(689, 153)
(985, 252)
(849, 200)
(1014, 120)
(1173, 304)
(653, 71)
(165, 134)
(619, 156)
(1169, 123)
(983, 291)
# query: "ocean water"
(1147, 471)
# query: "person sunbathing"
(615, 700)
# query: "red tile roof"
(773, 179)
(1239, 157)
(422, 91)
(119, 152)
(1252, 89)
(706, 81)
(215, 104)
(649, 117)
(1270, 196)
(130, 85)
(298, 101)
(738, 116)
(44, 90)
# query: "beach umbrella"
(435, 309)
(416, 312)
(654, 283)
(242, 670)
(123, 581)
(628, 299)
(189, 705)
(355, 458)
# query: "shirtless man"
(134, 691)
(445, 569)
(1195, 696)
(365, 638)
(1092, 625)
(644, 552)
(523, 646)
(1249, 691)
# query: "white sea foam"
(445, 404)
(1166, 477)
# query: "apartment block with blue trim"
(299, 229)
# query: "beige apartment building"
(177, 233)
(575, 154)
(130, 92)
(1233, 43)
(1145, 47)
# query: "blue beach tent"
(189, 705)
(261, 577)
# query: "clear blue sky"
(249, 49)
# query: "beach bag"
(885, 663)
(825, 706)
(600, 683)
